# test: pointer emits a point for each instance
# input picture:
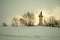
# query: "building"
(40, 18)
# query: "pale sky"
(12, 8)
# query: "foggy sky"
(11, 8)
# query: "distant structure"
(22, 21)
(40, 18)
(4, 24)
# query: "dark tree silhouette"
(4, 24)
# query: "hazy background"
(12, 8)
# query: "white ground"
(29, 33)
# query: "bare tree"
(52, 21)
(29, 18)
(14, 22)
(45, 23)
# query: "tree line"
(28, 19)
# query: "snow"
(29, 33)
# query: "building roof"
(40, 15)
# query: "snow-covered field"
(29, 33)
